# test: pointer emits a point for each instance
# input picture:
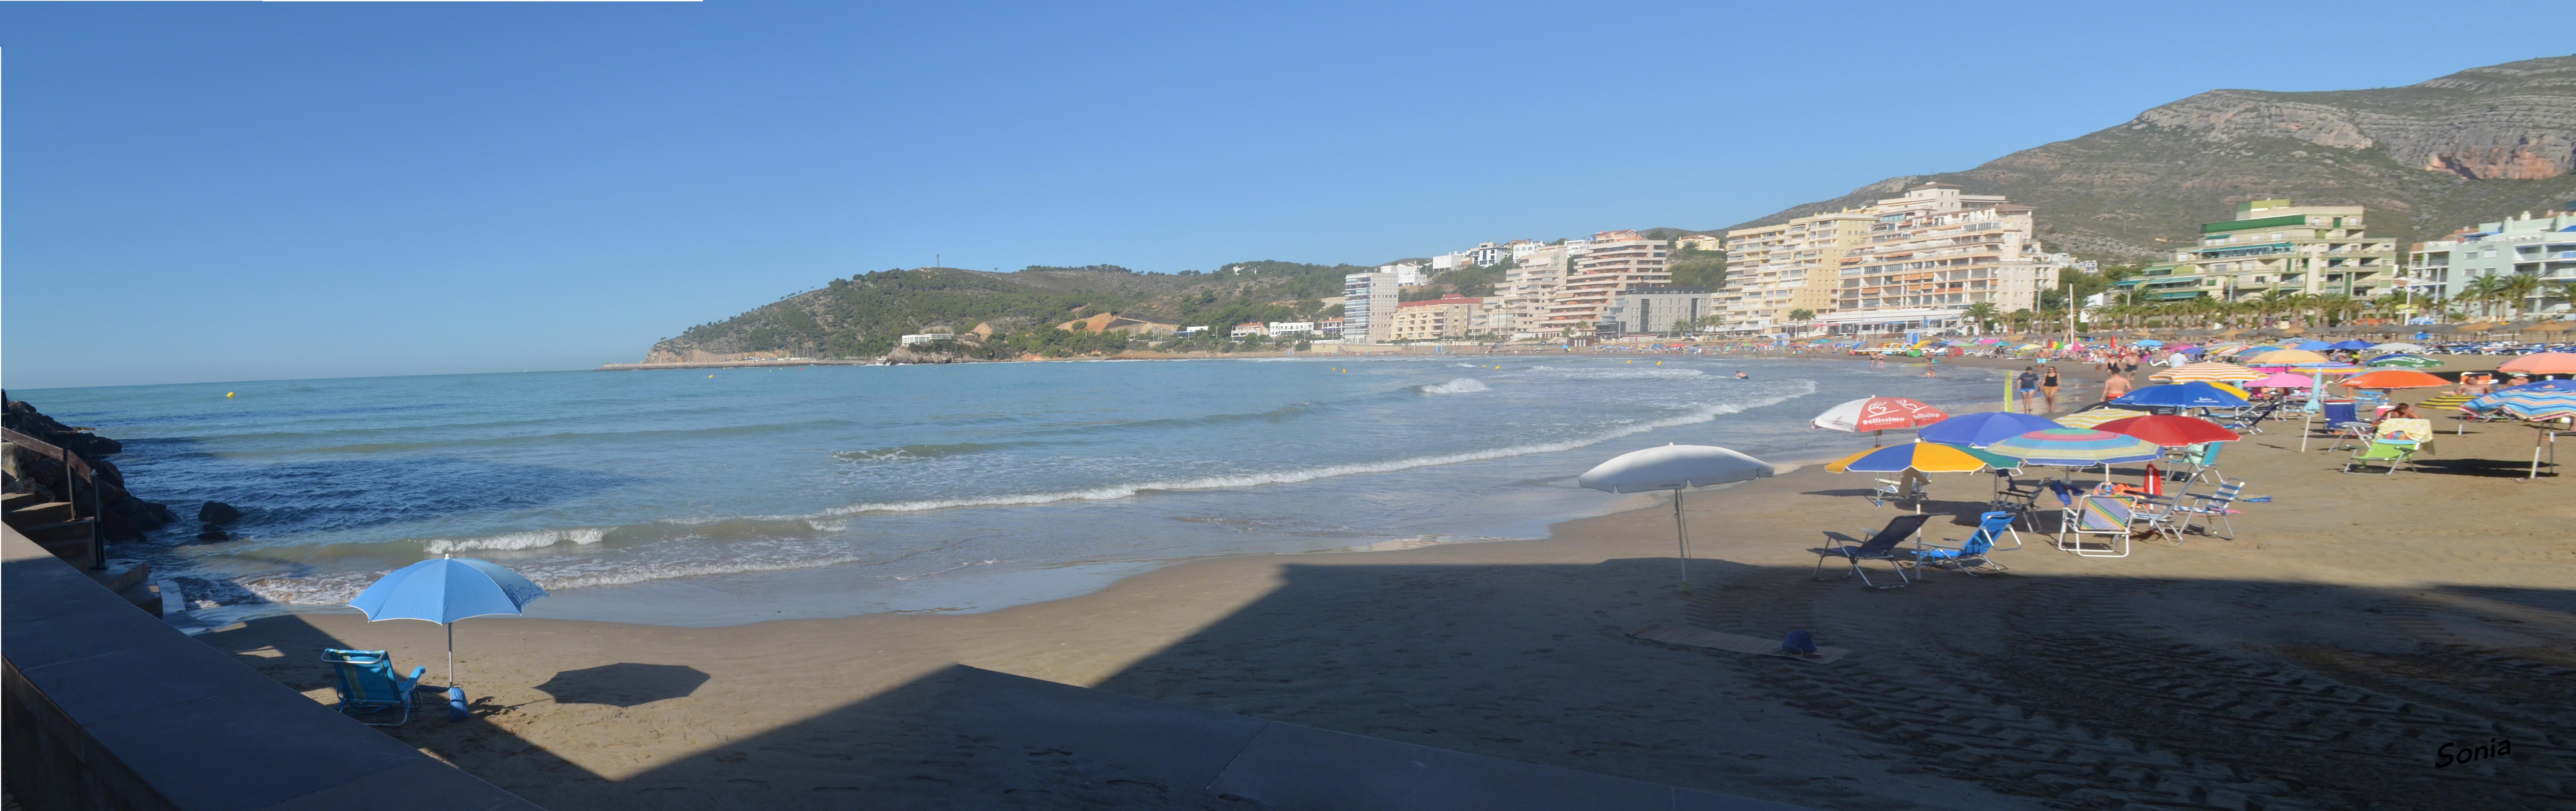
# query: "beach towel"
(2406, 430)
(1679, 634)
(2065, 492)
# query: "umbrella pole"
(451, 655)
(1681, 537)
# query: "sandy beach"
(2321, 659)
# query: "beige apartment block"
(1775, 270)
(2273, 245)
(1449, 316)
(1938, 248)
(1611, 263)
(1537, 272)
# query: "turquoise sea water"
(680, 497)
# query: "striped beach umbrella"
(2095, 417)
(2076, 447)
(2402, 361)
(2533, 402)
(2205, 371)
(1983, 428)
(1926, 457)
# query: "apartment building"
(1654, 309)
(1936, 251)
(1775, 270)
(1368, 307)
(1611, 262)
(1449, 316)
(1521, 299)
(2541, 246)
(2274, 245)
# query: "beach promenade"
(2357, 630)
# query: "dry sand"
(2320, 660)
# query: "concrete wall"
(107, 707)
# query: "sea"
(717, 497)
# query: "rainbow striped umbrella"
(2076, 447)
(2205, 371)
(1927, 457)
(2533, 402)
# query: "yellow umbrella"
(2088, 419)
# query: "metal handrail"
(72, 463)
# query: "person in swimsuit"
(2048, 386)
(2028, 385)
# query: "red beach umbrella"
(2170, 430)
(1875, 414)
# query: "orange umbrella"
(2542, 363)
(2394, 379)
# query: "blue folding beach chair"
(367, 685)
(1973, 554)
(1881, 546)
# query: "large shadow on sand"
(2056, 691)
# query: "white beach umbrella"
(1675, 468)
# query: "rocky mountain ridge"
(2474, 146)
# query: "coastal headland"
(2354, 630)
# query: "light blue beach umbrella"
(2311, 345)
(444, 591)
(2351, 344)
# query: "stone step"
(51, 512)
(68, 540)
(11, 501)
(144, 595)
(120, 573)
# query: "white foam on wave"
(1458, 386)
(1699, 415)
(517, 540)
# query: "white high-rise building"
(1611, 262)
(1522, 298)
(1368, 307)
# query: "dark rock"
(218, 513)
(213, 533)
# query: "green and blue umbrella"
(2402, 361)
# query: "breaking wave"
(1458, 386)
(517, 540)
(1699, 415)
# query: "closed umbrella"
(1875, 414)
(1982, 428)
(1675, 468)
(445, 591)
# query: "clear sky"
(239, 191)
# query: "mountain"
(2475, 146)
(864, 315)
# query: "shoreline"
(1518, 649)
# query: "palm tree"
(2516, 288)
(2021, 319)
(2482, 291)
(2275, 300)
(1983, 314)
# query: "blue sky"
(240, 191)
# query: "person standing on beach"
(2048, 386)
(2115, 385)
(2028, 383)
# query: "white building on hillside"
(1368, 307)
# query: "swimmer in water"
(1743, 376)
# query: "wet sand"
(2321, 659)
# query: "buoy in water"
(228, 394)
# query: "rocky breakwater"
(123, 517)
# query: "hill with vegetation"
(2475, 146)
(1007, 314)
